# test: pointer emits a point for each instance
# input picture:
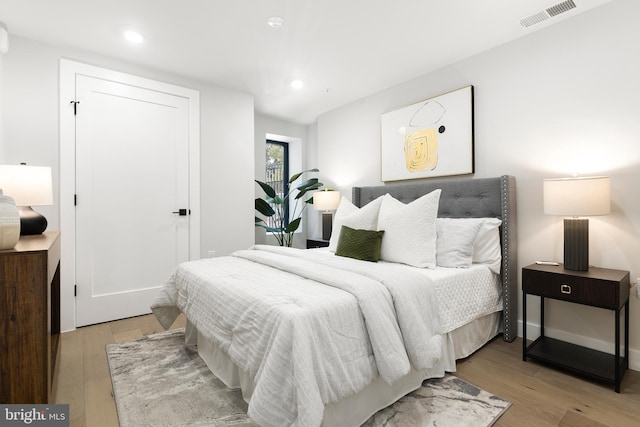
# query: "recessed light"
(133, 37)
(297, 84)
(275, 22)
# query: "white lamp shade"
(584, 196)
(326, 200)
(27, 185)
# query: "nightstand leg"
(541, 316)
(617, 355)
(524, 326)
(626, 335)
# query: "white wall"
(30, 112)
(557, 101)
(30, 134)
(226, 165)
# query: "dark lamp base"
(576, 244)
(31, 222)
(327, 220)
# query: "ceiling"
(342, 50)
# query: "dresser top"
(34, 243)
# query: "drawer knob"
(565, 289)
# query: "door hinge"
(75, 200)
(75, 290)
(75, 107)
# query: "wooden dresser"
(29, 318)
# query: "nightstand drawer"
(579, 287)
(317, 243)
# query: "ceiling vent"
(547, 13)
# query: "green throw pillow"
(359, 244)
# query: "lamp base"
(31, 222)
(327, 224)
(576, 244)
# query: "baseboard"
(533, 330)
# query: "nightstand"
(317, 243)
(597, 287)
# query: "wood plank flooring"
(540, 396)
(83, 380)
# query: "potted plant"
(275, 207)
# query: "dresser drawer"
(587, 288)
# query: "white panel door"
(132, 161)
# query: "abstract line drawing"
(433, 137)
(421, 146)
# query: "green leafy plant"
(276, 207)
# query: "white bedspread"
(303, 342)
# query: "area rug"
(158, 381)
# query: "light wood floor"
(540, 396)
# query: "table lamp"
(28, 186)
(326, 201)
(575, 198)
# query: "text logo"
(34, 415)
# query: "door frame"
(68, 71)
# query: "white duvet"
(305, 343)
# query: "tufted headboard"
(470, 198)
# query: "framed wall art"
(430, 138)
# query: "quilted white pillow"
(409, 230)
(364, 218)
(456, 238)
(486, 244)
(487, 249)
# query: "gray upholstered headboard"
(469, 198)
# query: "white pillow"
(487, 249)
(364, 218)
(456, 238)
(409, 230)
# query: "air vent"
(550, 12)
(534, 19)
(565, 6)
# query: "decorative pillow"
(456, 238)
(486, 246)
(487, 249)
(359, 244)
(410, 230)
(364, 218)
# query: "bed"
(313, 338)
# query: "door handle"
(182, 212)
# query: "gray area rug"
(158, 381)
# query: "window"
(277, 172)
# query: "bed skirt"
(355, 409)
